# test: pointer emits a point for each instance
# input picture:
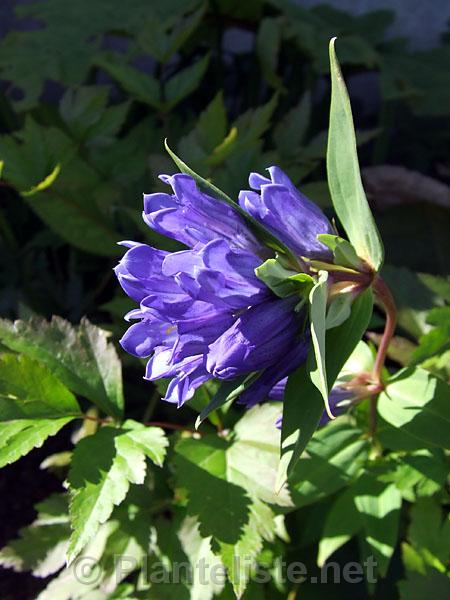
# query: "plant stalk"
(385, 299)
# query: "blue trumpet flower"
(203, 313)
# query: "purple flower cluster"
(203, 313)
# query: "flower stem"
(161, 424)
(175, 426)
(385, 299)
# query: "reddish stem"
(161, 424)
(175, 426)
(385, 299)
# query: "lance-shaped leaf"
(317, 314)
(99, 485)
(228, 391)
(344, 178)
(34, 405)
(303, 404)
(28, 390)
(80, 357)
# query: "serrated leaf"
(141, 86)
(97, 486)
(198, 550)
(240, 558)
(28, 390)
(184, 83)
(70, 582)
(290, 132)
(302, 407)
(268, 42)
(212, 124)
(17, 438)
(40, 547)
(416, 402)
(80, 357)
(202, 470)
(253, 456)
(63, 46)
(344, 178)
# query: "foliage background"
(90, 90)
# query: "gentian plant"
(251, 318)
(261, 283)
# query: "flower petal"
(260, 337)
(287, 213)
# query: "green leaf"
(341, 524)
(289, 133)
(416, 402)
(40, 547)
(317, 314)
(228, 391)
(254, 455)
(302, 407)
(85, 112)
(44, 184)
(141, 86)
(268, 42)
(202, 469)
(415, 294)
(97, 486)
(80, 357)
(344, 179)
(429, 533)
(184, 83)
(339, 310)
(162, 37)
(437, 341)
(212, 124)
(63, 46)
(28, 390)
(240, 558)
(335, 455)
(379, 508)
(198, 550)
(344, 253)
(19, 437)
(417, 587)
(70, 583)
(232, 474)
(283, 282)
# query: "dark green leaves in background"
(87, 98)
